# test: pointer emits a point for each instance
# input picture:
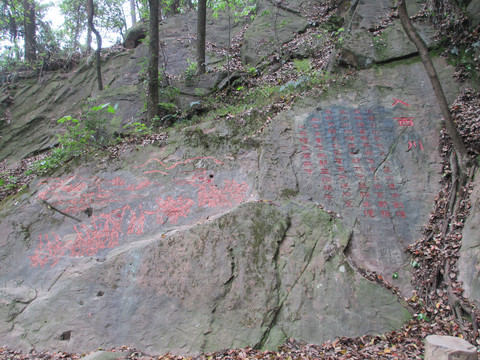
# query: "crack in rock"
(227, 287)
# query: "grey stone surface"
(448, 348)
(107, 355)
(362, 49)
(271, 28)
(474, 10)
(135, 34)
(201, 245)
(469, 262)
(368, 14)
(219, 238)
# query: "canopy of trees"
(27, 35)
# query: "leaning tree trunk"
(458, 144)
(152, 103)
(29, 25)
(99, 43)
(201, 34)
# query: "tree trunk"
(90, 10)
(29, 25)
(89, 40)
(152, 103)
(132, 12)
(458, 144)
(201, 33)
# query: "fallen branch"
(51, 207)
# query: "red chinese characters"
(105, 229)
(346, 153)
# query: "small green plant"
(80, 135)
(422, 317)
(252, 71)
(169, 92)
(302, 65)
(167, 107)
(339, 37)
(191, 70)
(8, 182)
(395, 275)
(138, 129)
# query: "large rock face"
(208, 242)
(469, 262)
(182, 249)
(362, 49)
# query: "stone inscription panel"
(105, 212)
(350, 160)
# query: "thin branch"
(53, 208)
(458, 144)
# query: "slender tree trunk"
(16, 48)
(29, 25)
(89, 40)
(89, 29)
(90, 10)
(412, 34)
(77, 26)
(229, 40)
(201, 34)
(152, 103)
(133, 13)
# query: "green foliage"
(338, 35)
(334, 23)
(169, 7)
(252, 71)
(12, 31)
(137, 129)
(302, 65)
(191, 71)
(465, 59)
(423, 317)
(8, 182)
(11, 25)
(80, 136)
(168, 108)
(237, 8)
(109, 18)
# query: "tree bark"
(90, 9)
(133, 14)
(458, 144)
(201, 34)
(29, 25)
(89, 41)
(152, 103)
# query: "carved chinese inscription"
(345, 154)
(118, 209)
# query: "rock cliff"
(219, 237)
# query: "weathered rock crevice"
(270, 319)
